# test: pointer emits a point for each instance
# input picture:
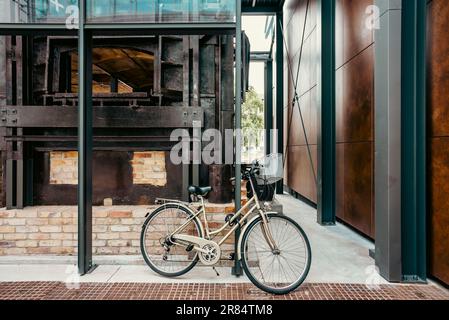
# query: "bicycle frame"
(252, 205)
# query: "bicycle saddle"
(199, 191)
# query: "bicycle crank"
(210, 254)
(209, 251)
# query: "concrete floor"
(339, 255)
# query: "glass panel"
(161, 11)
(145, 11)
(36, 11)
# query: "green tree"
(252, 116)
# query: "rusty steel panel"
(219, 179)
(207, 69)
(186, 71)
(104, 117)
(195, 44)
(438, 114)
(2, 71)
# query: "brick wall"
(116, 230)
(52, 230)
(64, 167)
(149, 168)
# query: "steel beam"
(414, 149)
(9, 184)
(18, 157)
(260, 10)
(387, 175)
(35, 29)
(237, 269)
(262, 56)
(190, 28)
(85, 142)
(103, 117)
(280, 91)
(326, 140)
(268, 106)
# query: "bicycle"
(273, 249)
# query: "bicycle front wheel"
(276, 271)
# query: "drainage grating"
(202, 291)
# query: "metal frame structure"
(413, 213)
(237, 269)
(326, 135)
(413, 141)
(85, 145)
(85, 33)
(280, 89)
(265, 57)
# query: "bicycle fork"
(265, 229)
(267, 234)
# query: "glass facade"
(37, 11)
(117, 11)
(161, 11)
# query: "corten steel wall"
(299, 174)
(438, 108)
(354, 116)
(354, 109)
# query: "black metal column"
(268, 106)
(326, 138)
(237, 269)
(414, 152)
(280, 90)
(85, 142)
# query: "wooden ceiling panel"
(132, 67)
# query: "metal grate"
(206, 291)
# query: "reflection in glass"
(116, 11)
(161, 10)
(35, 11)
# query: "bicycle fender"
(242, 232)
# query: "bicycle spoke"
(165, 257)
(277, 269)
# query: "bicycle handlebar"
(249, 171)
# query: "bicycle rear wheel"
(159, 252)
(277, 272)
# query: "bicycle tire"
(142, 240)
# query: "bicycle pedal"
(189, 248)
